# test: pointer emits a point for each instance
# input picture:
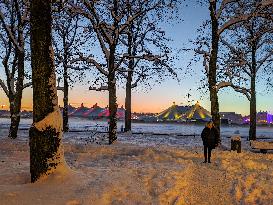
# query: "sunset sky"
(159, 97)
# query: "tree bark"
(128, 98)
(15, 106)
(112, 97)
(66, 86)
(15, 99)
(112, 109)
(252, 128)
(45, 135)
(213, 66)
(128, 103)
(65, 100)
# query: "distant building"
(4, 113)
(262, 117)
(147, 118)
(231, 117)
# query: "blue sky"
(161, 96)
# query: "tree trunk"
(128, 98)
(45, 135)
(252, 128)
(213, 67)
(112, 109)
(128, 102)
(16, 99)
(14, 118)
(112, 97)
(65, 99)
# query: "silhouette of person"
(211, 139)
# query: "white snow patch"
(261, 145)
(53, 120)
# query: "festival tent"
(197, 112)
(93, 112)
(120, 113)
(79, 111)
(71, 109)
(173, 113)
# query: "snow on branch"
(148, 57)
(231, 47)
(262, 61)
(4, 87)
(27, 85)
(142, 76)
(265, 3)
(224, 3)
(10, 33)
(101, 88)
(60, 88)
(100, 27)
(130, 19)
(206, 56)
(91, 61)
(198, 51)
(223, 85)
(232, 22)
(12, 85)
(239, 89)
(242, 90)
(239, 61)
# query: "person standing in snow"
(211, 139)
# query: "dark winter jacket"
(210, 137)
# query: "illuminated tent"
(70, 109)
(173, 113)
(93, 112)
(120, 113)
(79, 111)
(197, 112)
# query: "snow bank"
(261, 145)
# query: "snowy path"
(208, 185)
(144, 175)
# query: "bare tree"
(68, 40)
(14, 22)
(222, 18)
(109, 20)
(149, 55)
(45, 135)
(249, 56)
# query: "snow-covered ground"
(134, 171)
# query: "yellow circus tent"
(197, 112)
(173, 113)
